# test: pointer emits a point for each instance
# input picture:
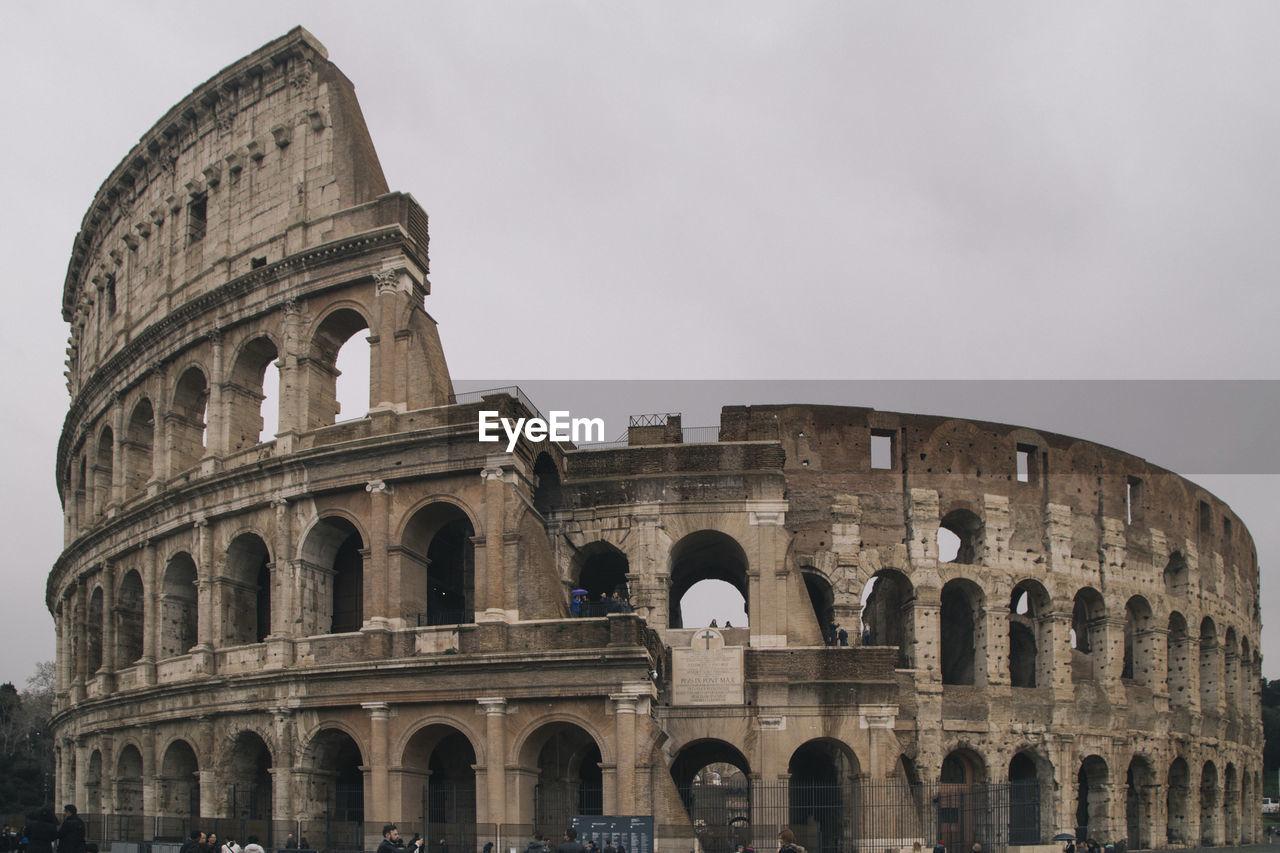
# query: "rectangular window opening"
(1206, 519)
(1132, 498)
(197, 218)
(881, 449)
(1026, 463)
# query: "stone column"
(379, 778)
(80, 783)
(150, 613)
(495, 711)
(150, 772)
(203, 651)
(768, 619)
(81, 619)
(215, 417)
(159, 446)
(108, 626)
(497, 473)
(624, 724)
(378, 586)
(282, 770)
(292, 399)
(382, 361)
(117, 453)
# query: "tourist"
(71, 832)
(787, 842)
(570, 843)
(253, 846)
(41, 830)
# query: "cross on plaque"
(708, 636)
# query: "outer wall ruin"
(371, 620)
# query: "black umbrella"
(1064, 836)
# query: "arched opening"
(1088, 636)
(1092, 801)
(1210, 652)
(139, 449)
(246, 399)
(1176, 574)
(601, 570)
(185, 421)
(1030, 636)
(821, 799)
(963, 806)
(1178, 662)
(128, 782)
(82, 493)
(1177, 805)
(561, 762)
(888, 611)
(129, 619)
(333, 557)
(1024, 800)
(1138, 641)
(963, 638)
(249, 776)
(245, 591)
(1140, 786)
(178, 790)
(707, 555)
(1231, 803)
(103, 467)
(439, 554)
(93, 784)
(964, 544)
(546, 493)
(1231, 673)
(712, 778)
(178, 610)
(822, 599)
(338, 370)
(1210, 808)
(439, 780)
(1247, 679)
(336, 791)
(93, 632)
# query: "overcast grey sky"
(722, 190)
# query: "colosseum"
(315, 631)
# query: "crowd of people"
(582, 603)
(43, 830)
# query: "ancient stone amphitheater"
(342, 623)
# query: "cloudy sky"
(786, 191)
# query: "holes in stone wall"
(960, 537)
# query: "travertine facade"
(370, 620)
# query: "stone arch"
(179, 788)
(333, 779)
(93, 631)
(1178, 804)
(600, 568)
(888, 609)
(1088, 633)
(1030, 775)
(962, 633)
(332, 562)
(179, 610)
(139, 449)
(1210, 666)
(244, 591)
(560, 768)
(1210, 806)
(248, 776)
(962, 796)
(1030, 635)
(1231, 671)
(186, 420)
(129, 619)
(244, 396)
(966, 526)
(821, 773)
(437, 564)
(1139, 638)
(701, 556)
(128, 781)
(438, 778)
(822, 600)
(547, 494)
(340, 323)
(1093, 801)
(711, 776)
(93, 783)
(1139, 802)
(1231, 804)
(103, 468)
(1178, 666)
